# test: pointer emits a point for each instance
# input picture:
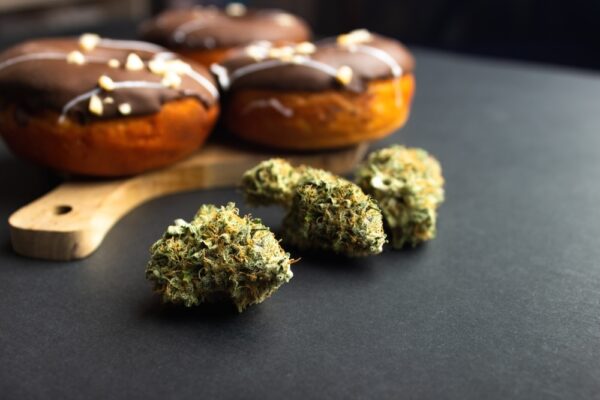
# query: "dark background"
(502, 305)
(563, 32)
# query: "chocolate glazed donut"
(207, 34)
(354, 88)
(103, 107)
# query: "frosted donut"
(103, 107)
(207, 34)
(354, 88)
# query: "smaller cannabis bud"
(408, 185)
(270, 182)
(325, 212)
(218, 255)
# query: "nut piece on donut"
(346, 90)
(207, 34)
(103, 107)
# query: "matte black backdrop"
(556, 31)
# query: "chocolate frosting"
(206, 28)
(50, 74)
(372, 59)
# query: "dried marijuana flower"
(325, 212)
(219, 255)
(334, 216)
(270, 182)
(408, 185)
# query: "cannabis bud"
(270, 182)
(325, 212)
(218, 255)
(408, 185)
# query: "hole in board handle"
(62, 209)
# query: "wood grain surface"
(71, 221)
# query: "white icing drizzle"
(252, 68)
(28, 57)
(192, 74)
(208, 85)
(328, 69)
(167, 55)
(198, 78)
(117, 85)
(272, 103)
(382, 55)
(222, 75)
(45, 56)
(121, 44)
(387, 59)
(186, 28)
(130, 45)
(379, 54)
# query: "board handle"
(71, 221)
(67, 223)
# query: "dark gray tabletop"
(505, 303)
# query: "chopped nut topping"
(306, 48)
(344, 75)
(125, 108)
(178, 66)
(106, 83)
(257, 53)
(355, 37)
(89, 41)
(157, 66)
(343, 39)
(235, 9)
(284, 19)
(109, 100)
(134, 62)
(114, 63)
(288, 58)
(76, 57)
(274, 52)
(171, 80)
(361, 35)
(263, 43)
(298, 59)
(281, 52)
(160, 66)
(95, 106)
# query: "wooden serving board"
(71, 221)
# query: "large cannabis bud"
(334, 216)
(408, 185)
(325, 212)
(218, 255)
